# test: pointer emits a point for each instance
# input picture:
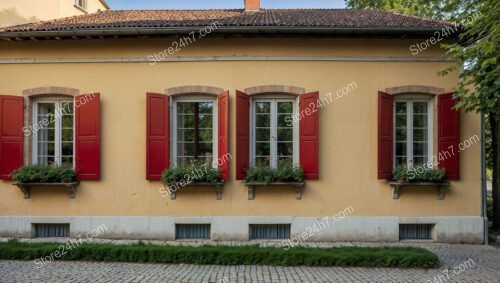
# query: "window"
(81, 3)
(412, 131)
(415, 231)
(192, 231)
(51, 230)
(273, 134)
(195, 128)
(269, 231)
(53, 132)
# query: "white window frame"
(84, 6)
(173, 124)
(58, 124)
(409, 126)
(274, 126)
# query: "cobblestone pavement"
(459, 263)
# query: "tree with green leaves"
(477, 51)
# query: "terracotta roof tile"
(289, 18)
(264, 17)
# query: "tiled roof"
(280, 18)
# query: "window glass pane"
(185, 149)
(420, 135)
(420, 149)
(285, 120)
(185, 121)
(67, 135)
(263, 120)
(285, 159)
(205, 152)
(46, 152)
(420, 107)
(67, 148)
(285, 107)
(46, 108)
(419, 121)
(67, 121)
(262, 161)
(185, 108)
(419, 161)
(205, 108)
(400, 120)
(263, 134)
(46, 116)
(66, 108)
(67, 160)
(46, 135)
(401, 108)
(401, 160)
(205, 136)
(205, 121)
(47, 160)
(262, 149)
(262, 107)
(285, 134)
(185, 135)
(401, 148)
(401, 134)
(285, 149)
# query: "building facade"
(16, 12)
(337, 91)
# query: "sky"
(219, 4)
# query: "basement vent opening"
(192, 231)
(51, 230)
(269, 231)
(415, 231)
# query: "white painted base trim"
(456, 229)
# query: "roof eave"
(255, 30)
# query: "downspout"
(484, 193)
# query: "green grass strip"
(223, 255)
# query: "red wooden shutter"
(242, 134)
(157, 135)
(88, 136)
(11, 134)
(223, 148)
(448, 136)
(385, 135)
(309, 135)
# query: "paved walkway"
(460, 263)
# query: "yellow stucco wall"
(13, 12)
(348, 126)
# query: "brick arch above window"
(53, 90)
(414, 89)
(190, 89)
(275, 89)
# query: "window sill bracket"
(26, 187)
(440, 188)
